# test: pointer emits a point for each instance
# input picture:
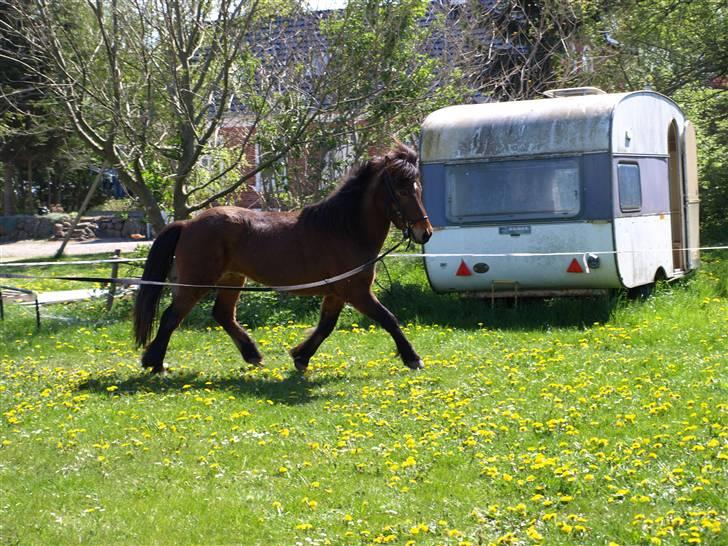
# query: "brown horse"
(224, 246)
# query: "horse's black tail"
(157, 267)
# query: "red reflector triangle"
(574, 267)
(463, 270)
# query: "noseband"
(407, 231)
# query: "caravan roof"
(580, 124)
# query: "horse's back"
(232, 217)
(235, 239)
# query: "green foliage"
(665, 44)
(707, 108)
(370, 80)
(677, 48)
(116, 205)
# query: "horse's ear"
(405, 152)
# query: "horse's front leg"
(368, 304)
(331, 307)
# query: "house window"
(630, 188)
(513, 190)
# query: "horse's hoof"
(255, 362)
(154, 367)
(159, 370)
(301, 364)
(415, 364)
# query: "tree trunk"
(146, 198)
(179, 204)
(8, 189)
(29, 200)
(49, 177)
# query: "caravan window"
(630, 189)
(505, 190)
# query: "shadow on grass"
(294, 389)
(418, 304)
(410, 303)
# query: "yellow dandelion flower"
(533, 534)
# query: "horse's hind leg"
(224, 314)
(183, 301)
(330, 309)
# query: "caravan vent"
(573, 92)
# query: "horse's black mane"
(341, 210)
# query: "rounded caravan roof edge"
(545, 126)
(643, 125)
(648, 92)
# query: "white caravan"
(581, 191)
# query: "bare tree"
(154, 86)
(136, 78)
(513, 49)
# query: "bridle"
(407, 230)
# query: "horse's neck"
(375, 220)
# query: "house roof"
(281, 42)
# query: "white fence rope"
(77, 262)
(535, 254)
(291, 288)
(403, 255)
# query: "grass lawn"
(569, 421)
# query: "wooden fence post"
(114, 275)
(85, 203)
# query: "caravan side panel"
(692, 201)
(530, 272)
(642, 226)
(643, 248)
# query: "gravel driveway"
(23, 250)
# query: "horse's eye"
(402, 193)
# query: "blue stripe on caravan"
(654, 179)
(596, 187)
(596, 176)
(433, 192)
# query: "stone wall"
(115, 226)
(21, 227)
(16, 228)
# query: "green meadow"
(563, 421)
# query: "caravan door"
(692, 202)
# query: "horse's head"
(400, 175)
